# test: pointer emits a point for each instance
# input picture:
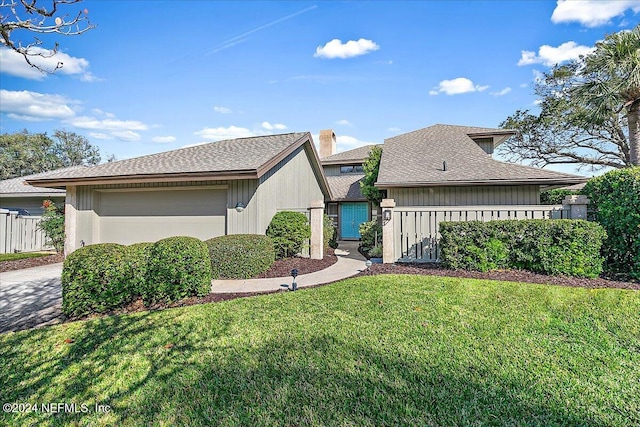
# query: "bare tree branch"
(30, 16)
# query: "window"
(351, 169)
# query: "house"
(16, 194)
(439, 166)
(348, 207)
(204, 191)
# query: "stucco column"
(70, 220)
(388, 256)
(577, 206)
(317, 235)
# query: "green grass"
(22, 255)
(381, 350)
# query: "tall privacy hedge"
(556, 247)
(289, 231)
(240, 256)
(615, 197)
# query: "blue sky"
(159, 75)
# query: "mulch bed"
(19, 264)
(502, 275)
(283, 267)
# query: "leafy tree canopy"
(24, 153)
(588, 110)
(371, 168)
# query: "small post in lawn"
(316, 222)
(388, 256)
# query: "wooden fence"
(21, 233)
(416, 229)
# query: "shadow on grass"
(164, 373)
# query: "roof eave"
(33, 194)
(537, 181)
(343, 162)
(133, 179)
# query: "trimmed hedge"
(556, 247)
(615, 196)
(96, 279)
(368, 233)
(289, 231)
(179, 267)
(240, 256)
(138, 258)
(555, 197)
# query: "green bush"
(179, 267)
(615, 196)
(554, 197)
(330, 233)
(556, 247)
(138, 256)
(52, 223)
(368, 233)
(96, 279)
(240, 256)
(289, 231)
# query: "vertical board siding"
(244, 222)
(331, 170)
(32, 203)
(417, 233)
(466, 196)
(290, 185)
(21, 234)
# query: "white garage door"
(147, 216)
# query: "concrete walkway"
(30, 297)
(350, 262)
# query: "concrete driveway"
(30, 297)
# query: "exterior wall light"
(240, 207)
(386, 215)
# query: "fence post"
(388, 256)
(70, 216)
(576, 205)
(317, 235)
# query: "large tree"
(24, 153)
(22, 19)
(586, 109)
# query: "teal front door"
(351, 216)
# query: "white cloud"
(275, 126)
(549, 55)
(100, 135)
(14, 63)
(163, 139)
(393, 129)
(503, 92)
(34, 106)
(456, 87)
(126, 135)
(592, 13)
(220, 133)
(85, 122)
(222, 110)
(336, 49)
(344, 122)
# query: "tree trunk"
(633, 118)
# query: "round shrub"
(138, 256)
(240, 256)
(179, 267)
(96, 279)
(615, 196)
(289, 231)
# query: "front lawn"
(22, 255)
(380, 350)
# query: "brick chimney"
(327, 143)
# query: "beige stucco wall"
(466, 196)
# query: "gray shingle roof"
(356, 155)
(346, 186)
(236, 155)
(416, 159)
(19, 185)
